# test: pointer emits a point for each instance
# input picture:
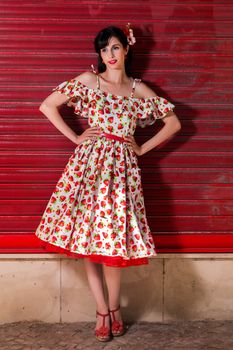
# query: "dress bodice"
(113, 113)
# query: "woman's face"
(113, 55)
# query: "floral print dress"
(97, 209)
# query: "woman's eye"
(115, 48)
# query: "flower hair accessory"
(129, 33)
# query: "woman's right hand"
(89, 133)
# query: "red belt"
(114, 137)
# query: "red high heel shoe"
(103, 333)
(117, 328)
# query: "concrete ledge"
(54, 288)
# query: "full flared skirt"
(97, 208)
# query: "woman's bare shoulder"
(144, 91)
(87, 78)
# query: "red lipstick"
(112, 61)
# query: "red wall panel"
(184, 52)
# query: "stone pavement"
(179, 335)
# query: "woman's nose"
(112, 54)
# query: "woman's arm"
(50, 108)
(172, 125)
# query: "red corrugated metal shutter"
(183, 51)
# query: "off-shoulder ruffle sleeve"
(153, 108)
(76, 96)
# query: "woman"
(97, 209)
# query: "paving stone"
(181, 335)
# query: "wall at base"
(52, 288)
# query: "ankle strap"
(115, 309)
(104, 315)
(112, 311)
(98, 313)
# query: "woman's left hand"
(131, 142)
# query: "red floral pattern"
(97, 207)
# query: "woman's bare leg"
(113, 281)
(95, 280)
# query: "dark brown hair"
(102, 39)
